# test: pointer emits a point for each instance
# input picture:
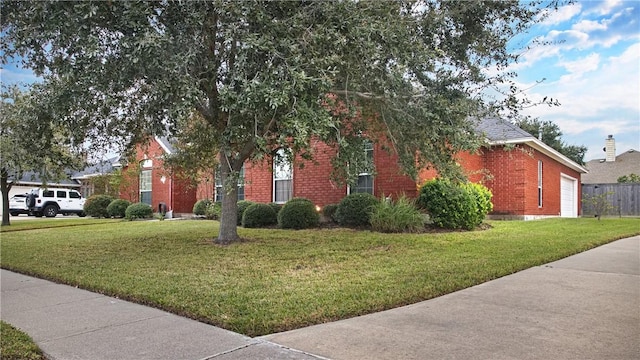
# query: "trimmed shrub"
(200, 207)
(401, 216)
(482, 196)
(138, 211)
(242, 206)
(298, 213)
(355, 209)
(276, 207)
(329, 212)
(259, 215)
(455, 206)
(117, 208)
(213, 211)
(96, 206)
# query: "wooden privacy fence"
(623, 198)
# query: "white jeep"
(53, 201)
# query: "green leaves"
(410, 73)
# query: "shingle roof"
(101, 168)
(603, 172)
(32, 178)
(499, 131)
(496, 129)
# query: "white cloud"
(578, 67)
(605, 7)
(600, 96)
(589, 25)
(563, 14)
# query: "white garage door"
(568, 197)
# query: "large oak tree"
(260, 74)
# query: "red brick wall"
(389, 180)
(312, 179)
(515, 181)
(178, 195)
(506, 179)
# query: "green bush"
(138, 211)
(298, 213)
(455, 206)
(117, 208)
(242, 206)
(96, 206)
(213, 211)
(200, 207)
(276, 207)
(259, 215)
(355, 209)
(395, 217)
(329, 212)
(482, 196)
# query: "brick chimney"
(610, 149)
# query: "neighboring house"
(602, 179)
(94, 176)
(609, 169)
(147, 180)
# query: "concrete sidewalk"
(69, 323)
(585, 306)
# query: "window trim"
(540, 198)
(141, 190)
(280, 154)
(217, 183)
(369, 154)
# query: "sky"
(591, 65)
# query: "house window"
(540, 183)
(364, 183)
(145, 187)
(220, 190)
(282, 177)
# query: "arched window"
(145, 181)
(282, 176)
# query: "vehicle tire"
(30, 201)
(14, 214)
(82, 214)
(50, 211)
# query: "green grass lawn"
(16, 345)
(283, 279)
(19, 225)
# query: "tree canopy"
(28, 142)
(267, 74)
(551, 135)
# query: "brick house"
(528, 179)
(147, 180)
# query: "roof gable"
(501, 132)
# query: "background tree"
(552, 136)
(29, 143)
(259, 74)
(631, 178)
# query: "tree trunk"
(229, 217)
(4, 188)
